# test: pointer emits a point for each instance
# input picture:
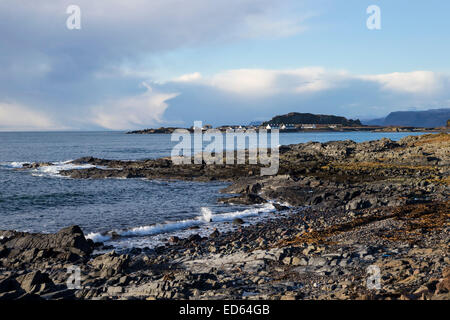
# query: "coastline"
(378, 203)
(170, 130)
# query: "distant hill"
(309, 118)
(255, 123)
(428, 119)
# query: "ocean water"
(140, 213)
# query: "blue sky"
(138, 63)
(414, 36)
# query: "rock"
(280, 207)
(309, 249)
(34, 281)
(115, 290)
(443, 286)
(123, 281)
(110, 264)
(317, 261)
(9, 284)
(246, 199)
(174, 240)
(296, 261)
(194, 238)
(238, 221)
(68, 239)
(358, 204)
(214, 234)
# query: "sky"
(139, 64)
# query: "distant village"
(277, 124)
(283, 128)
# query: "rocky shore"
(360, 221)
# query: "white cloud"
(18, 117)
(144, 110)
(264, 82)
(191, 77)
(240, 95)
(261, 26)
(416, 82)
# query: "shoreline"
(170, 130)
(379, 203)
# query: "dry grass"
(433, 139)
(417, 219)
(356, 166)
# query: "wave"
(206, 218)
(12, 165)
(51, 170)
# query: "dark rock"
(70, 238)
(9, 284)
(34, 281)
(280, 207)
(214, 234)
(174, 240)
(194, 238)
(110, 264)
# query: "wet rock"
(280, 207)
(68, 239)
(194, 238)
(174, 240)
(214, 234)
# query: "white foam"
(51, 170)
(98, 237)
(206, 214)
(57, 167)
(206, 218)
(14, 164)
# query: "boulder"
(68, 239)
(9, 284)
(110, 264)
(35, 281)
(214, 234)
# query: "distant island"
(295, 118)
(298, 122)
(433, 118)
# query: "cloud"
(89, 78)
(242, 95)
(416, 82)
(191, 77)
(263, 26)
(66, 72)
(263, 82)
(145, 109)
(18, 117)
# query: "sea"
(123, 213)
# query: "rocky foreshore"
(350, 210)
